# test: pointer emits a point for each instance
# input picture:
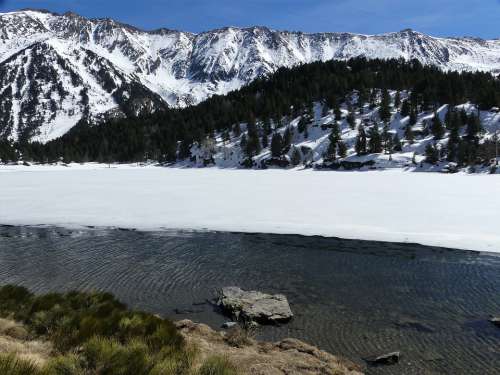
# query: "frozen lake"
(456, 211)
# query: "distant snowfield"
(458, 211)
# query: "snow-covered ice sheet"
(459, 211)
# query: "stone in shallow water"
(385, 359)
(255, 306)
(496, 321)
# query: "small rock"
(187, 311)
(496, 321)
(385, 359)
(228, 325)
(255, 306)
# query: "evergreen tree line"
(268, 104)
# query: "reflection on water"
(354, 298)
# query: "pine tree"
(463, 116)
(302, 126)
(287, 138)
(362, 97)
(237, 130)
(296, 157)
(360, 146)
(351, 120)
(265, 140)
(431, 154)
(375, 142)
(252, 143)
(337, 112)
(385, 110)
(453, 143)
(405, 108)
(396, 142)
(342, 149)
(324, 110)
(243, 142)
(397, 100)
(387, 138)
(413, 116)
(409, 135)
(448, 118)
(437, 128)
(473, 126)
(276, 145)
(266, 127)
(334, 138)
(373, 98)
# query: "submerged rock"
(414, 325)
(253, 306)
(384, 359)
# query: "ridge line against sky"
(454, 18)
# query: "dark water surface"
(354, 298)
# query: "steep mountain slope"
(56, 69)
(309, 146)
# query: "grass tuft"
(217, 366)
(10, 365)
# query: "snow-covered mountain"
(56, 69)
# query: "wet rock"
(187, 311)
(496, 321)
(228, 325)
(253, 306)
(384, 359)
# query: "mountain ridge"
(174, 68)
(156, 30)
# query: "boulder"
(252, 306)
(384, 359)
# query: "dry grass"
(13, 340)
(13, 329)
(239, 337)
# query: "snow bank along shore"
(458, 211)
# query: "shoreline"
(188, 231)
(25, 344)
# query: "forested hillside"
(318, 114)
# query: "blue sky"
(437, 17)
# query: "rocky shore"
(289, 356)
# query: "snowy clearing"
(458, 211)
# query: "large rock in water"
(255, 306)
